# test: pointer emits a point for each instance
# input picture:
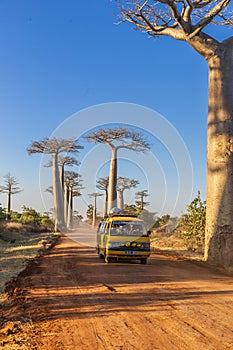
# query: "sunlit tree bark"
(102, 184)
(94, 195)
(55, 147)
(73, 187)
(124, 183)
(188, 20)
(116, 139)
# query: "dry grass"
(173, 244)
(17, 245)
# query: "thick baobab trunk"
(112, 192)
(9, 202)
(57, 196)
(219, 219)
(94, 213)
(120, 201)
(66, 201)
(62, 176)
(70, 210)
(105, 203)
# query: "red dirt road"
(73, 300)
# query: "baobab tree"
(94, 195)
(102, 184)
(62, 162)
(73, 186)
(116, 139)
(55, 147)
(141, 195)
(188, 20)
(124, 183)
(11, 187)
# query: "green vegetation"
(29, 216)
(192, 224)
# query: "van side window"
(101, 227)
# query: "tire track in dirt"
(76, 301)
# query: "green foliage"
(30, 216)
(145, 215)
(90, 209)
(132, 210)
(2, 213)
(161, 221)
(192, 224)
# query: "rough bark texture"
(70, 210)
(66, 201)
(120, 201)
(94, 212)
(57, 196)
(105, 211)
(188, 21)
(9, 202)
(219, 224)
(112, 192)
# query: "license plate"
(129, 252)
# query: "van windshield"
(127, 228)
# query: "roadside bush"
(192, 224)
(2, 213)
(30, 221)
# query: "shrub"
(192, 224)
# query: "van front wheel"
(101, 256)
(108, 259)
(143, 261)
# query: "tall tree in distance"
(94, 195)
(55, 147)
(124, 183)
(11, 187)
(115, 139)
(73, 186)
(188, 20)
(102, 184)
(140, 196)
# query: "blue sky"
(62, 57)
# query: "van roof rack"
(121, 215)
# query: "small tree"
(141, 195)
(94, 195)
(192, 224)
(116, 139)
(161, 221)
(124, 183)
(73, 186)
(2, 213)
(102, 184)
(11, 187)
(132, 210)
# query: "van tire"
(108, 260)
(101, 256)
(143, 261)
